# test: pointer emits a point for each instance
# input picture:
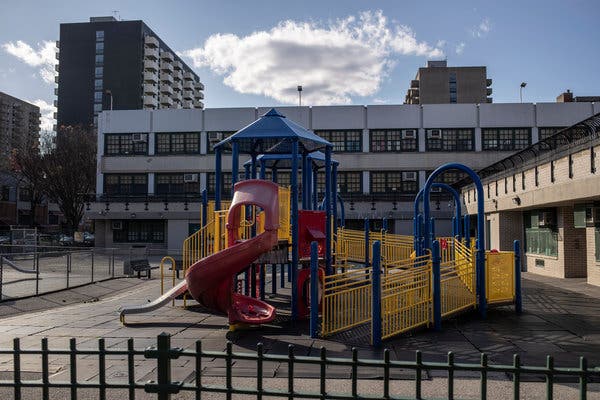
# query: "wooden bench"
(140, 266)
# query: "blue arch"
(480, 245)
(342, 208)
(458, 209)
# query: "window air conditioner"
(187, 178)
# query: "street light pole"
(523, 84)
(299, 96)
(109, 93)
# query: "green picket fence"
(164, 386)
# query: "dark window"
(99, 59)
(225, 182)
(98, 97)
(393, 140)
(450, 139)
(5, 194)
(541, 237)
(99, 47)
(546, 132)
(394, 182)
(178, 143)
(99, 36)
(537, 181)
(122, 184)
(514, 183)
(592, 160)
(175, 184)
(523, 180)
(505, 139)
(344, 141)
(505, 185)
(98, 84)
(215, 137)
(570, 166)
(122, 144)
(24, 194)
(349, 182)
(140, 231)
(552, 171)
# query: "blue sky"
(342, 52)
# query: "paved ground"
(561, 318)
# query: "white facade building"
(152, 164)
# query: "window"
(393, 140)
(537, 176)
(178, 143)
(213, 138)
(546, 132)
(452, 86)
(349, 182)
(451, 177)
(226, 182)
(592, 160)
(122, 144)
(597, 241)
(523, 180)
(349, 141)
(514, 182)
(97, 108)
(174, 184)
(99, 59)
(552, 171)
(99, 36)
(24, 194)
(450, 139)
(140, 231)
(99, 47)
(505, 139)
(393, 182)
(98, 84)
(5, 194)
(570, 166)
(99, 72)
(541, 237)
(98, 97)
(122, 184)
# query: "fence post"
(366, 226)
(92, 265)
(68, 268)
(518, 296)
(384, 224)
(37, 275)
(437, 286)
(163, 353)
(480, 263)
(282, 275)
(314, 290)
(376, 329)
(274, 278)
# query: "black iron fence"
(196, 383)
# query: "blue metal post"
(247, 282)
(480, 264)
(263, 276)
(315, 190)
(437, 286)
(366, 227)
(289, 272)
(415, 237)
(376, 325)
(204, 206)
(218, 179)
(518, 296)
(273, 278)
(294, 220)
(431, 230)
(274, 174)
(314, 290)
(334, 196)
(253, 166)
(263, 171)
(235, 164)
(454, 231)
(308, 186)
(467, 230)
(246, 171)
(420, 235)
(342, 211)
(282, 276)
(304, 175)
(384, 224)
(328, 233)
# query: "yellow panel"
(499, 276)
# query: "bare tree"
(66, 172)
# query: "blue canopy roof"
(273, 133)
(284, 161)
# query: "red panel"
(311, 227)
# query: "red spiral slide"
(210, 280)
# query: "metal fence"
(170, 362)
(49, 269)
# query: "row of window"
(348, 182)
(381, 140)
(140, 231)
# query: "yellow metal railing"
(351, 243)
(457, 279)
(500, 277)
(199, 245)
(163, 276)
(406, 299)
(346, 301)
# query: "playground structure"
(394, 282)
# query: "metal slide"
(163, 300)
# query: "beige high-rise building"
(19, 126)
(439, 84)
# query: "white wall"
(506, 115)
(228, 119)
(406, 116)
(562, 114)
(449, 115)
(338, 117)
(177, 120)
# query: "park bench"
(140, 266)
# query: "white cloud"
(380, 101)
(482, 29)
(47, 110)
(343, 58)
(460, 48)
(44, 57)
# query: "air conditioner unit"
(187, 178)
(116, 225)
(139, 137)
(409, 176)
(546, 219)
(213, 136)
(409, 134)
(434, 134)
(592, 216)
